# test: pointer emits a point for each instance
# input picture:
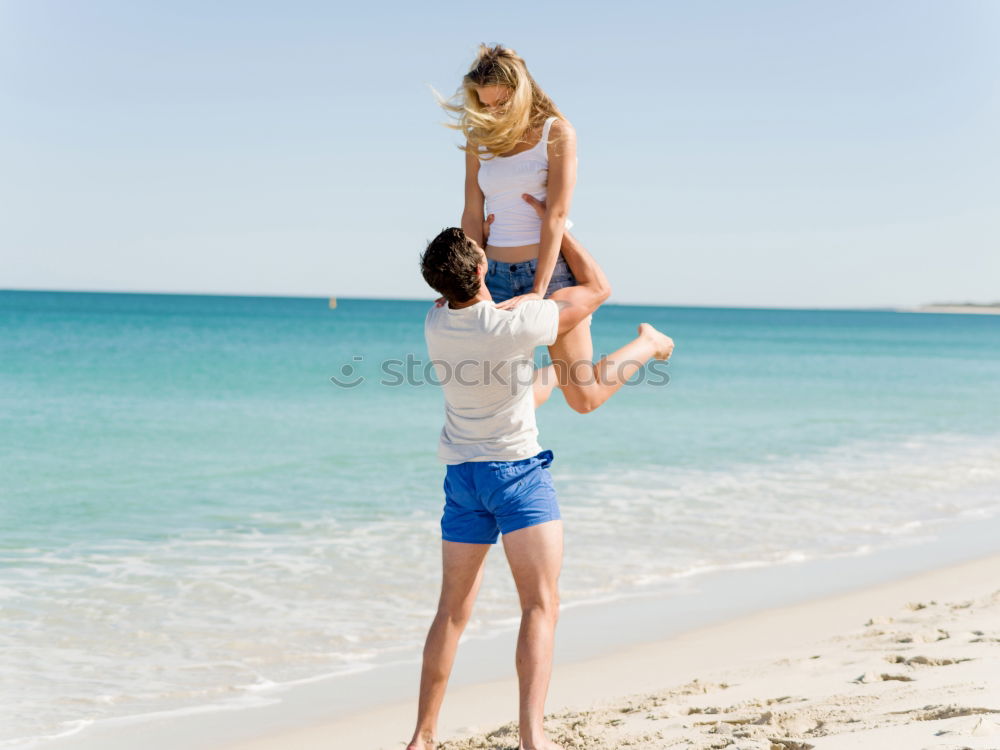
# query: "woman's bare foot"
(663, 345)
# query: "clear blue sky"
(765, 153)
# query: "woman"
(520, 154)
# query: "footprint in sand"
(869, 677)
(880, 620)
(978, 727)
(981, 636)
(924, 661)
(784, 743)
(936, 713)
(923, 636)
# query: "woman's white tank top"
(503, 179)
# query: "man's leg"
(535, 556)
(462, 573)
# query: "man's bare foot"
(663, 345)
(423, 741)
(545, 745)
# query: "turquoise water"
(191, 507)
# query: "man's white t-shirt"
(484, 359)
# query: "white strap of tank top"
(546, 127)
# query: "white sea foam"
(111, 630)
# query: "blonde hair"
(526, 108)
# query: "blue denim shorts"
(506, 280)
(486, 498)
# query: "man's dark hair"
(449, 265)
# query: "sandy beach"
(910, 664)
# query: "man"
(497, 479)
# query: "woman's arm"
(561, 181)
(559, 193)
(472, 214)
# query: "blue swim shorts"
(486, 498)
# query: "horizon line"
(884, 308)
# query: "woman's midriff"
(517, 254)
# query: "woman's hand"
(510, 304)
(440, 302)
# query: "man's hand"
(539, 207)
(486, 229)
(510, 304)
(536, 204)
(513, 302)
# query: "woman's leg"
(587, 385)
(544, 382)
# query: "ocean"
(205, 497)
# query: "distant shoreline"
(955, 309)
